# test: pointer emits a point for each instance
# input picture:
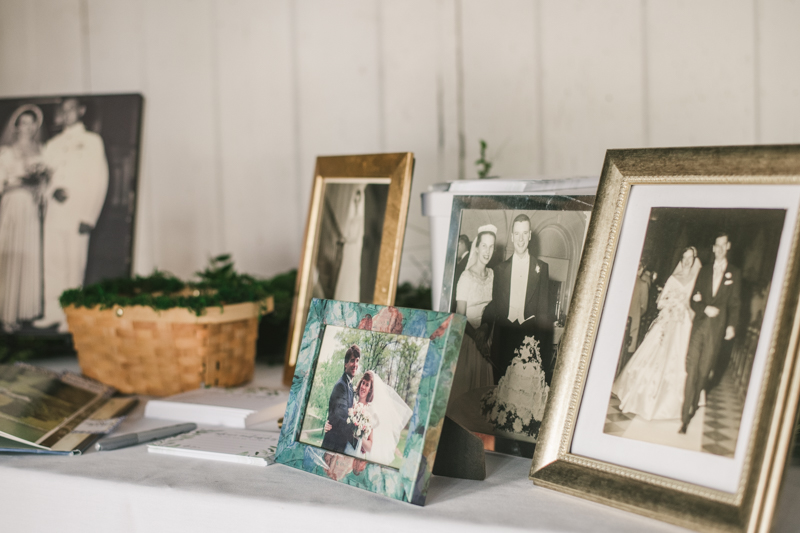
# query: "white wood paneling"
(59, 58)
(701, 72)
(592, 83)
(181, 149)
(500, 85)
(18, 73)
(412, 39)
(116, 45)
(338, 84)
(243, 95)
(446, 92)
(116, 64)
(257, 141)
(779, 70)
(41, 51)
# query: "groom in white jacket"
(76, 195)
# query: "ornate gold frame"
(751, 508)
(398, 168)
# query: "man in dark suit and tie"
(716, 302)
(341, 400)
(519, 306)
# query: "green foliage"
(483, 164)
(273, 331)
(413, 297)
(18, 347)
(219, 285)
(325, 377)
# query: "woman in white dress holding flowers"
(651, 384)
(23, 177)
(378, 417)
(473, 294)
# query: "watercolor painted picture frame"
(410, 357)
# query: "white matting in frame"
(589, 440)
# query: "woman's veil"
(393, 414)
(10, 131)
(688, 275)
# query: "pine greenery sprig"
(219, 285)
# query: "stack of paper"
(231, 445)
(239, 407)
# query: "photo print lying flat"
(511, 267)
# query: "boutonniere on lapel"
(728, 278)
(697, 296)
(537, 269)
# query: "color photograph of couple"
(363, 394)
(513, 276)
(67, 197)
(693, 326)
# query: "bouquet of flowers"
(358, 416)
(38, 174)
(516, 405)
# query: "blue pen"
(131, 439)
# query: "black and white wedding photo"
(351, 227)
(511, 270)
(68, 174)
(693, 326)
(364, 391)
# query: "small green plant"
(219, 285)
(483, 164)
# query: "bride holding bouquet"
(377, 418)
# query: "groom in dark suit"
(519, 306)
(716, 302)
(341, 400)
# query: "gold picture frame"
(579, 451)
(389, 176)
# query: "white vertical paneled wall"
(242, 95)
(592, 79)
(258, 169)
(500, 43)
(701, 72)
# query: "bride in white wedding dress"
(388, 414)
(651, 384)
(392, 415)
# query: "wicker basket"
(143, 351)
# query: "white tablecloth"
(131, 490)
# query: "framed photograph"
(676, 390)
(369, 394)
(510, 268)
(68, 177)
(354, 236)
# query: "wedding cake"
(516, 405)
